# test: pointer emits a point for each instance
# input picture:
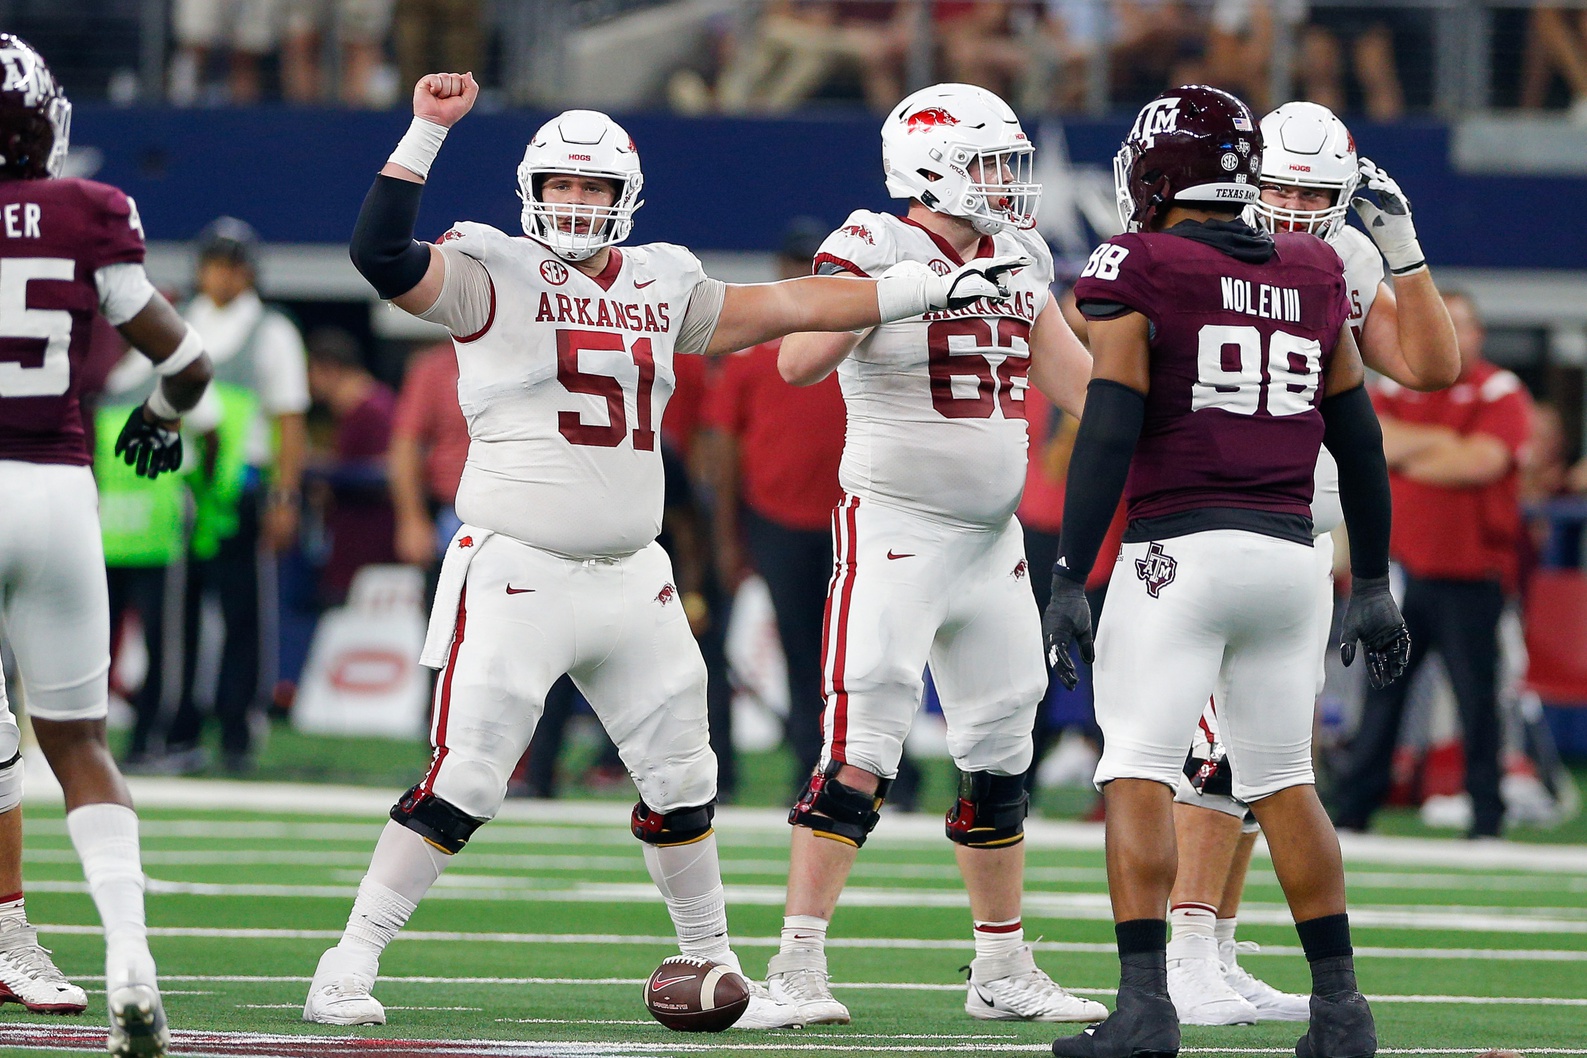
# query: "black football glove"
(1067, 619)
(1372, 617)
(149, 448)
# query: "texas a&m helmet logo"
(1156, 118)
(554, 272)
(929, 118)
(1156, 569)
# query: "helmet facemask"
(577, 231)
(59, 115)
(1323, 223)
(1000, 189)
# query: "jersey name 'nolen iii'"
(54, 235)
(564, 391)
(936, 404)
(1238, 356)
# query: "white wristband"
(159, 406)
(190, 349)
(418, 147)
(905, 291)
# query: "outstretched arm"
(763, 311)
(404, 271)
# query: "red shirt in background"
(427, 412)
(693, 378)
(361, 522)
(1471, 533)
(790, 438)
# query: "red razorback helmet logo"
(929, 118)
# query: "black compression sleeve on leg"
(1353, 436)
(383, 248)
(1103, 448)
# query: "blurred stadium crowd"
(765, 56)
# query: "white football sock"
(690, 880)
(106, 839)
(13, 908)
(804, 933)
(1224, 931)
(401, 871)
(1192, 920)
(995, 939)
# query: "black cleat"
(1341, 1027)
(1143, 1025)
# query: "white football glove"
(1388, 220)
(909, 288)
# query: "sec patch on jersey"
(696, 995)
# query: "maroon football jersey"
(1239, 352)
(54, 235)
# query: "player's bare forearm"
(159, 332)
(1060, 367)
(759, 312)
(405, 477)
(1409, 336)
(805, 359)
(292, 445)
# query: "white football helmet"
(1305, 145)
(583, 143)
(959, 149)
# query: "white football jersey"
(936, 403)
(564, 390)
(1363, 276)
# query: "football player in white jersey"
(565, 351)
(929, 559)
(1311, 175)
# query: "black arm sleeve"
(1352, 434)
(1103, 448)
(383, 248)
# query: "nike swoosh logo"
(893, 555)
(517, 591)
(642, 286)
(657, 986)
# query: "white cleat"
(339, 993)
(137, 1023)
(799, 979)
(1270, 1003)
(1196, 985)
(764, 1012)
(1014, 988)
(28, 975)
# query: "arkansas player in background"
(71, 249)
(1223, 360)
(566, 347)
(930, 560)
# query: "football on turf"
(695, 995)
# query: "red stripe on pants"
(839, 646)
(444, 696)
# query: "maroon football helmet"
(1192, 144)
(35, 115)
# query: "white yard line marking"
(1092, 907)
(1076, 947)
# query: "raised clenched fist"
(444, 97)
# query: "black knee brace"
(837, 811)
(445, 826)
(681, 826)
(990, 812)
(1210, 775)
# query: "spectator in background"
(1556, 44)
(798, 45)
(247, 29)
(438, 35)
(249, 512)
(1367, 35)
(1239, 54)
(775, 499)
(1454, 466)
(358, 517)
(429, 445)
(359, 27)
(987, 43)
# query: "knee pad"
(836, 810)
(443, 825)
(990, 812)
(1210, 775)
(10, 758)
(681, 826)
